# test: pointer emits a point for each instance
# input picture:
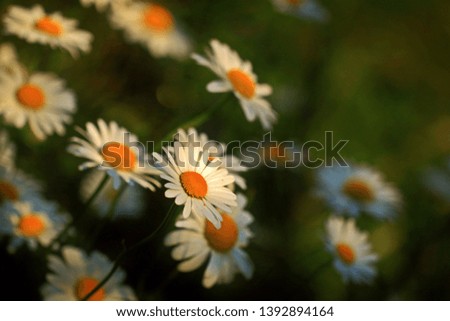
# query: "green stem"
(125, 252)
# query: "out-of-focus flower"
(31, 223)
(115, 150)
(307, 9)
(197, 240)
(131, 201)
(195, 181)
(7, 153)
(76, 274)
(353, 256)
(216, 151)
(15, 186)
(8, 60)
(41, 100)
(35, 25)
(100, 5)
(152, 25)
(237, 76)
(281, 155)
(355, 189)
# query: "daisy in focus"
(41, 100)
(7, 153)
(353, 257)
(355, 189)
(196, 240)
(151, 25)
(8, 60)
(100, 5)
(115, 150)
(15, 186)
(131, 201)
(237, 76)
(36, 26)
(76, 274)
(33, 224)
(307, 9)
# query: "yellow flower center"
(49, 26)
(31, 96)
(85, 285)
(358, 190)
(346, 253)
(119, 156)
(31, 225)
(194, 184)
(8, 192)
(223, 239)
(158, 18)
(242, 83)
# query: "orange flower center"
(194, 184)
(49, 26)
(85, 285)
(346, 253)
(242, 83)
(119, 156)
(8, 192)
(31, 225)
(358, 190)
(223, 239)
(158, 18)
(31, 96)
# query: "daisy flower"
(196, 240)
(8, 60)
(41, 100)
(281, 155)
(100, 5)
(76, 274)
(115, 150)
(237, 76)
(309, 9)
(35, 25)
(216, 151)
(354, 189)
(7, 152)
(151, 25)
(131, 201)
(353, 257)
(15, 186)
(31, 223)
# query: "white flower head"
(36, 26)
(76, 274)
(196, 240)
(115, 150)
(306, 9)
(237, 76)
(353, 257)
(41, 100)
(15, 186)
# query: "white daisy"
(8, 60)
(115, 150)
(131, 201)
(197, 240)
(354, 189)
(152, 25)
(216, 151)
(7, 152)
(309, 9)
(41, 100)
(353, 257)
(76, 274)
(237, 76)
(15, 186)
(100, 5)
(35, 25)
(31, 223)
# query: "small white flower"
(15, 186)
(76, 274)
(7, 152)
(353, 257)
(355, 189)
(37, 223)
(151, 25)
(196, 240)
(307, 9)
(115, 150)
(237, 76)
(35, 25)
(41, 100)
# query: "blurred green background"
(376, 74)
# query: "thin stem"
(125, 252)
